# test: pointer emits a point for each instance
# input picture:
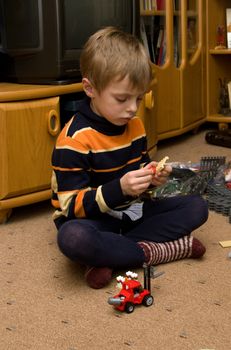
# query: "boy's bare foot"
(98, 277)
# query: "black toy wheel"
(148, 300)
(129, 308)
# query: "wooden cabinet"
(28, 129)
(174, 38)
(29, 125)
(218, 60)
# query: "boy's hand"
(160, 177)
(136, 182)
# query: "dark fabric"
(111, 242)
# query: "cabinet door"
(171, 30)
(193, 68)
(218, 63)
(158, 25)
(28, 130)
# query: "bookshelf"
(218, 62)
(174, 39)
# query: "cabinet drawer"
(28, 131)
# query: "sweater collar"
(98, 122)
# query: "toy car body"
(131, 294)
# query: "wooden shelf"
(152, 13)
(19, 92)
(220, 51)
(218, 118)
(163, 13)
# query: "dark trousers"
(113, 243)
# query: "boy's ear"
(88, 87)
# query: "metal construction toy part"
(132, 293)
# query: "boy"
(101, 167)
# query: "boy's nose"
(133, 106)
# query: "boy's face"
(118, 102)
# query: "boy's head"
(111, 54)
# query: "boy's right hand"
(136, 182)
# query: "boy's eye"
(121, 99)
(124, 99)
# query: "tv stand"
(63, 82)
(48, 82)
(29, 124)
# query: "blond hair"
(112, 54)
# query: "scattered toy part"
(161, 164)
(225, 244)
(211, 165)
(219, 199)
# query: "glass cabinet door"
(172, 33)
(153, 29)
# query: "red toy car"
(132, 292)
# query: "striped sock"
(185, 247)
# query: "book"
(160, 5)
(229, 92)
(148, 5)
(176, 35)
(176, 5)
(158, 35)
(143, 35)
(191, 33)
(162, 50)
(149, 29)
(228, 26)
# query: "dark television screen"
(43, 39)
(22, 24)
(92, 15)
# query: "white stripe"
(100, 200)
(72, 149)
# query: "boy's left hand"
(160, 178)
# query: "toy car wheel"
(148, 300)
(129, 308)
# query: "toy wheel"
(129, 308)
(148, 300)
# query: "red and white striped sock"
(185, 247)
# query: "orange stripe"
(99, 142)
(72, 144)
(88, 138)
(66, 169)
(79, 209)
(55, 203)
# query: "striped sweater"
(90, 157)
